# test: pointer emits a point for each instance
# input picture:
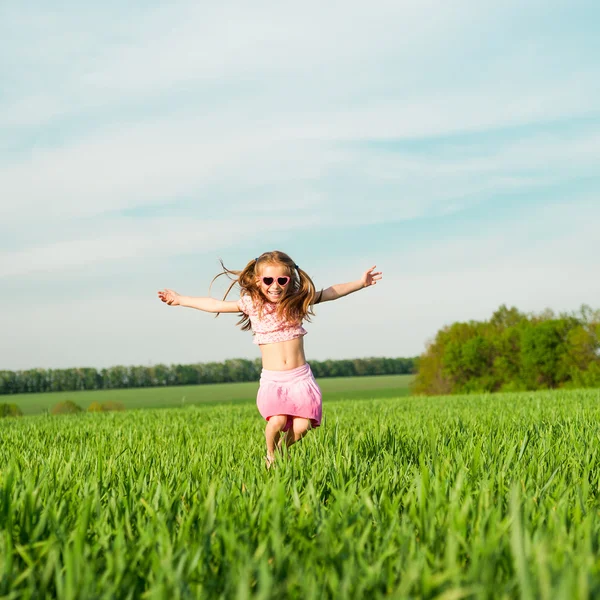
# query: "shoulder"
(246, 304)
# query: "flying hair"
(298, 296)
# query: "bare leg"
(298, 430)
(272, 432)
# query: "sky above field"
(455, 145)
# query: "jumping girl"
(276, 295)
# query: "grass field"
(335, 388)
(447, 498)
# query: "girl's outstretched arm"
(339, 290)
(211, 305)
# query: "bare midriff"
(283, 356)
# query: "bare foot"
(269, 461)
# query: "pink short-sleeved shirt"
(269, 328)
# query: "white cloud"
(241, 114)
(264, 91)
(164, 161)
(287, 59)
(273, 186)
(458, 279)
(158, 47)
(150, 238)
(438, 283)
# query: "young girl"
(276, 296)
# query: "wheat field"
(455, 497)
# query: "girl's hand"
(370, 278)
(170, 297)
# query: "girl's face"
(273, 290)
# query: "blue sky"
(455, 145)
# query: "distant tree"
(139, 377)
(513, 351)
(432, 378)
(583, 358)
(543, 353)
(162, 375)
(505, 318)
(234, 370)
(360, 367)
(507, 360)
(118, 377)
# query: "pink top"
(269, 328)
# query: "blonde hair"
(298, 295)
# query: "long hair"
(298, 295)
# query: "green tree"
(544, 351)
(513, 351)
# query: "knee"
(277, 422)
(301, 426)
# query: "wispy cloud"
(314, 184)
(152, 132)
(143, 239)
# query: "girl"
(276, 296)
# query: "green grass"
(448, 498)
(335, 388)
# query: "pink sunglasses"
(282, 281)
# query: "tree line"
(229, 371)
(513, 351)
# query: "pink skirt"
(294, 393)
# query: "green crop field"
(335, 388)
(407, 497)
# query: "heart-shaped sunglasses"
(282, 281)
